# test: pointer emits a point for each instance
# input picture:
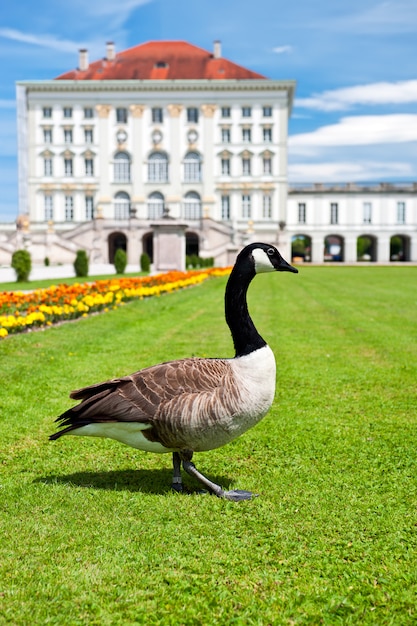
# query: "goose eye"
(270, 251)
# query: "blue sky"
(355, 113)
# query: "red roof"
(159, 60)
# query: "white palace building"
(167, 130)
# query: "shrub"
(81, 263)
(120, 261)
(145, 263)
(193, 261)
(46, 261)
(22, 265)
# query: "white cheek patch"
(262, 262)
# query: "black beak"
(283, 266)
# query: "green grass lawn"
(91, 533)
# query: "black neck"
(246, 338)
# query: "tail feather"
(93, 390)
(103, 402)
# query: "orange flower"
(43, 307)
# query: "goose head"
(264, 257)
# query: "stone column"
(168, 245)
(384, 249)
(105, 200)
(99, 253)
(175, 177)
(317, 252)
(137, 143)
(413, 249)
(350, 255)
(208, 199)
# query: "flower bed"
(43, 307)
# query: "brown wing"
(142, 396)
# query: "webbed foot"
(237, 495)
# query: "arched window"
(333, 248)
(158, 167)
(121, 168)
(155, 205)
(192, 206)
(121, 206)
(192, 167)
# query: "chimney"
(217, 50)
(83, 60)
(110, 51)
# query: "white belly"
(130, 433)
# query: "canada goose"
(194, 404)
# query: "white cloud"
(347, 171)
(109, 7)
(358, 131)
(45, 41)
(402, 92)
(282, 49)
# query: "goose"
(193, 404)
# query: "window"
(225, 135)
(67, 135)
(67, 112)
(47, 112)
(88, 135)
(267, 206)
(246, 111)
(192, 114)
(334, 213)
(246, 135)
(48, 208)
(192, 206)
(121, 115)
(225, 200)
(47, 167)
(226, 167)
(121, 206)
(47, 135)
(121, 168)
(68, 167)
(367, 212)
(225, 112)
(89, 207)
(246, 206)
(246, 166)
(88, 113)
(157, 115)
(158, 168)
(400, 212)
(69, 208)
(155, 206)
(89, 167)
(267, 111)
(267, 135)
(267, 165)
(302, 213)
(192, 168)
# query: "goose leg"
(176, 476)
(236, 494)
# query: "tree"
(22, 265)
